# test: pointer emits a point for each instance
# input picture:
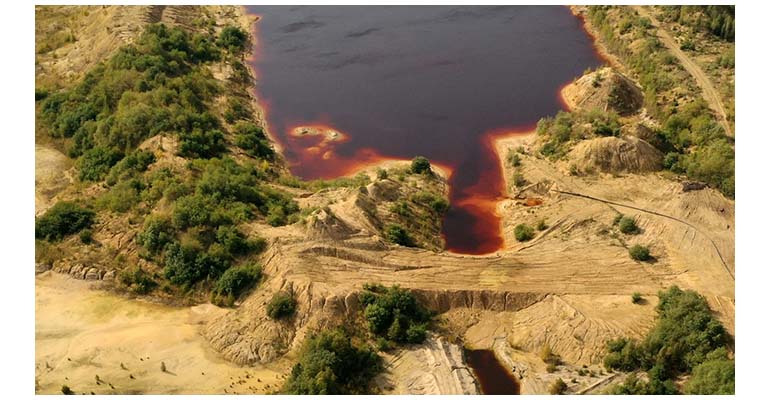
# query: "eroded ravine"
(344, 87)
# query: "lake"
(395, 82)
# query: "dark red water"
(492, 376)
(402, 81)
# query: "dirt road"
(710, 94)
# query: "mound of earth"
(604, 89)
(616, 154)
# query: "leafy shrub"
(623, 354)
(157, 233)
(236, 280)
(401, 208)
(137, 280)
(518, 179)
(96, 163)
(523, 232)
(282, 305)
(201, 144)
(636, 298)
(716, 375)
(382, 174)
(639, 252)
(627, 225)
(63, 219)
(86, 236)
(331, 364)
(130, 166)
(237, 109)
(635, 386)
(234, 39)
(557, 387)
(122, 197)
(185, 264)
(252, 139)
(420, 165)
(395, 233)
(513, 159)
(541, 225)
(394, 313)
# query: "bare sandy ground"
(81, 333)
(52, 175)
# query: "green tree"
(395, 233)
(236, 280)
(394, 313)
(627, 225)
(63, 219)
(96, 163)
(282, 305)
(639, 252)
(523, 232)
(420, 165)
(716, 375)
(331, 364)
(234, 39)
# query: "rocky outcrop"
(606, 90)
(78, 270)
(434, 367)
(614, 155)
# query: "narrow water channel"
(493, 377)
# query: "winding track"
(724, 264)
(710, 94)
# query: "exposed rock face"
(613, 155)
(691, 186)
(434, 367)
(42, 267)
(324, 224)
(606, 90)
(78, 270)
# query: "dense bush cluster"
(394, 313)
(281, 305)
(162, 84)
(523, 232)
(397, 234)
(627, 225)
(686, 339)
(330, 363)
(63, 219)
(420, 165)
(156, 85)
(252, 139)
(137, 280)
(236, 281)
(568, 127)
(639, 252)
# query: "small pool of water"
(493, 377)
